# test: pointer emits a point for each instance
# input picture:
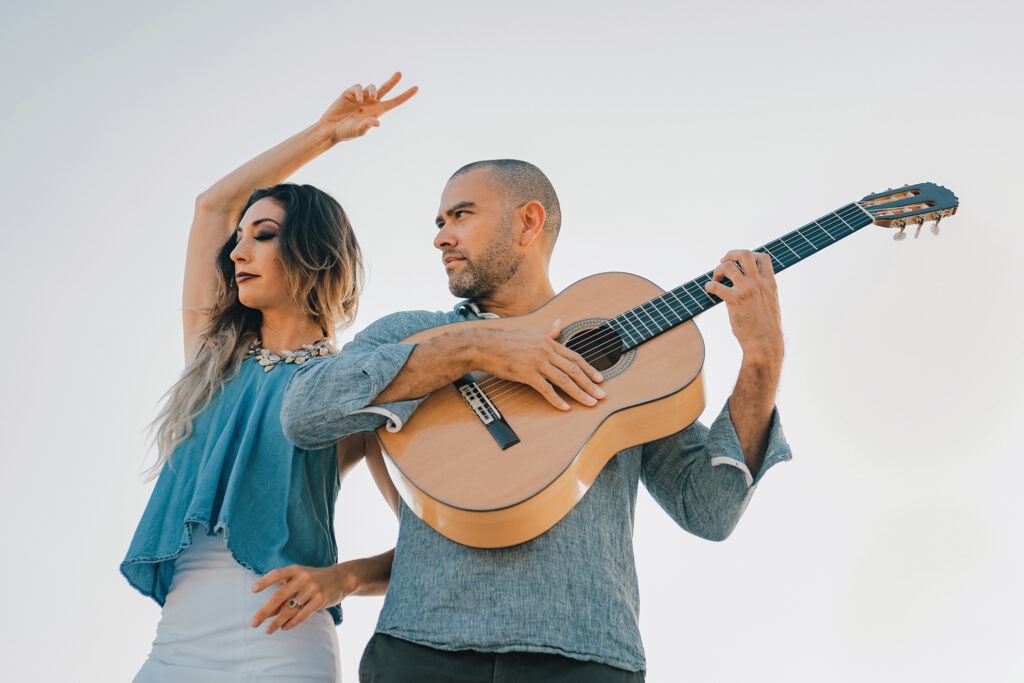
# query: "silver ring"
(293, 604)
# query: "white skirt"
(204, 633)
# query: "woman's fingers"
(387, 85)
(299, 596)
(400, 99)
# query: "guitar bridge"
(482, 406)
(478, 401)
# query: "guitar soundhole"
(601, 346)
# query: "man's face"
(476, 236)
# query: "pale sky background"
(889, 549)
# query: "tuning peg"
(935, 226)
(900, 235)
(917, 231)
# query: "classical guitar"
(489, 463)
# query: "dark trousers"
(392, 660)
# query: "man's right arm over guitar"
(377, 379)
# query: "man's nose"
(444, 239)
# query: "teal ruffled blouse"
(240, 477)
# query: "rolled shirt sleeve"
(699, 477)
(330, 398)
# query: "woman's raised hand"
(359, 108)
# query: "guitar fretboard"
(674, 307)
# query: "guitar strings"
(643, 319)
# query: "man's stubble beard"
(491, 269)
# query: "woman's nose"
(240, 254)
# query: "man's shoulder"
(406, 323)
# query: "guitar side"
(454, 475)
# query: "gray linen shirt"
(573, 590)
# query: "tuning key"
(900, 235)
(935, 226)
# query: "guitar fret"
(829, 232)
(846, 223)
(629, 339)
(626, 317)
(804, 238)
(703, 300)
(651, 321)
(673, 293)
(674, 309)
(782, 241)
(822, 230)
(857, 205)
(655, 311)
(693, 297)
(692, 305)
(641, 320)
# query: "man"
(564, 605)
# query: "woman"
(269, 276)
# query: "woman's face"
(259, 271)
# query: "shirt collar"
(467, 308)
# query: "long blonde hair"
(324, 272)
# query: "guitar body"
(454, 474)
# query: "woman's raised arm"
(219, 208)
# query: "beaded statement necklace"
(271, 360)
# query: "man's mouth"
(450, 258)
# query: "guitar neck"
(686, 301)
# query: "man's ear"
(533, 216)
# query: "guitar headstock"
(910, 205)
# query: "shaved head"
(520, 182)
